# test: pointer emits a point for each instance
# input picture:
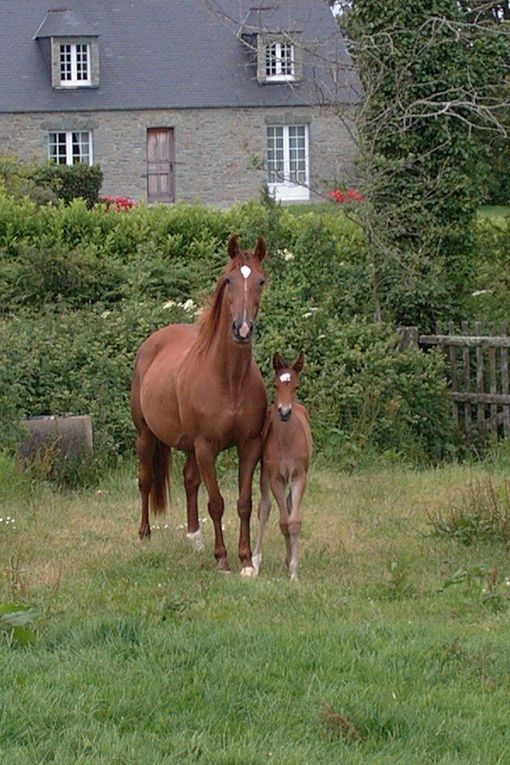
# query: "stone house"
(188, 100)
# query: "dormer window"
(74, 64)
(279, 57)
(279, 61)
(71, 46)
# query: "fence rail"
(479, 380)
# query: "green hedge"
(80, 289)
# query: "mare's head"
(286, 382)
(243, 281)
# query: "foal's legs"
(263, 513)
(145, 447)
(278, 485)
(290, 517)
(298, 485)
(205, 457)
(192, 482)
(249, 455)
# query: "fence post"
(408, 338)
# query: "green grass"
(378, 656)
(494, 211)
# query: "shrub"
(81, 290)
(47, 182)
(71, 181)
(78, 362)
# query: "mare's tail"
(160, 478)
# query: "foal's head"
(286, 383)
(244, 279)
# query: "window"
(279, 57)
(70, 147)
(287, 162)
(279, 61)
(74, 64)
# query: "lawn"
(494, 211)
(394, 646)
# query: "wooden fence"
(479, 383)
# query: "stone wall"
(219, 153)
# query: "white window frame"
(286, 190)
(75, 51)
(70, 160)
(278, 60)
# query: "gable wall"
(216, 150)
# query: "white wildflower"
(286, 254)
(169, 304)
(480, 292)
(105, 314)
(189, 305)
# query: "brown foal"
(198, 389)
(286, 455)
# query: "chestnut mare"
(286, 455)
(198, 389)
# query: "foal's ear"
(298, 364)
(260, 249)
(233, 246)
(277, 362)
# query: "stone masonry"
(219, 152)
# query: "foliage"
(71, 181)
(47, 182)
(497, 174)
(432, 88)
(81, 290)
(489, 299)
(17, 180)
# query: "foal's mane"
(209, 320)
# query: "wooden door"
(160, 165)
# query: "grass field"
(144, 654)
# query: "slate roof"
(158, 54)
(63, 22)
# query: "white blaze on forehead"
(246, 271)
(285, 377)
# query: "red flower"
(340, 197)
(117, 203)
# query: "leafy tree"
(431, 74)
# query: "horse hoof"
(145, 536)
(222, 566)
(249, 572)
(195, 537)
